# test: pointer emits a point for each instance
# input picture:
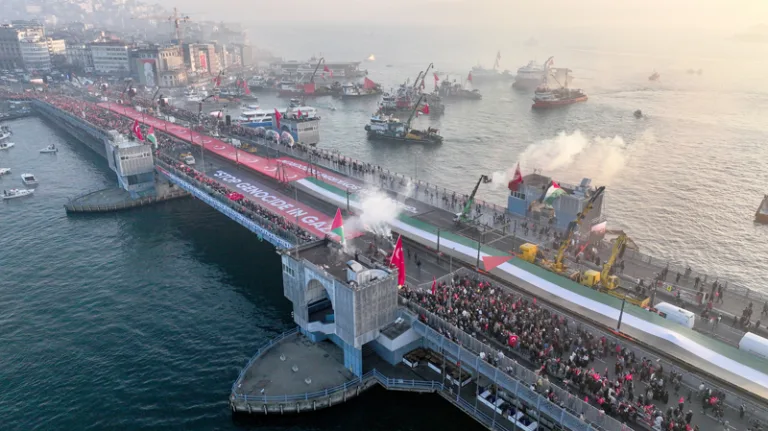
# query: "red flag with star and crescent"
(137, 130)
(398, 260)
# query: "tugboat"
(391, 129)
(545, 97)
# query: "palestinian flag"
(553, 192)
(337, 227)
(151, 136)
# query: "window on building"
(289, 271)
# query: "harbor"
(300, 171)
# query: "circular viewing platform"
(291, 374)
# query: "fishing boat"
(532, 75)
(546, 97)
(481, 74)
(6, 145)
(5, 171)
(16, 193)
(388, 128)
(454, 91)
(355, 91)
(28, 179)
(50, 149)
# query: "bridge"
(295, 189)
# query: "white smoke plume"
(575, 156)
(376, 211)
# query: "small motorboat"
(5, 171)
(6, 145)
(16, 193)
(638, 114)
(28, 179)
(50, 149)
(4, 135)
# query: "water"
(684, 183)
(141, 319)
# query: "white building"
(80, 56)
(35, 54)
(57, 46)
(110, 58)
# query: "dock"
(113, 199)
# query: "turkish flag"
(398, 260)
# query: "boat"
(355, 91)
(654, 77)
(6, 145)
(5, 171)
(16, 193)
(4, 136)
(545, 97)
(454, 90)
(532, 75)
(389, 128)
(761, 215)
(261, 118)
(371, 58)
(481, 74)
(187, 158)
(258, 83)
(336, 70)
(50, 149)
(638, 114)
(28, 179)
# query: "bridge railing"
(269, 225)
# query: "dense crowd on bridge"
(562, 353)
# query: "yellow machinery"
(557, 265)
(611, 282)
(590, 278)
(528, 252)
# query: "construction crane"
(607, 280)
(463, 216)
(177, 19)
(420, 77)
(319, 62)
(557, 265)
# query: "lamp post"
(621, 313)
(347, 200)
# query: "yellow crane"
(557, 264)
(604, 278)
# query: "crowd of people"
(109, 120)
(564, 353)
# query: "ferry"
(336, 70)
(532, 75)
(261, 118)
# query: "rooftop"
(396, 328)
(327, 255)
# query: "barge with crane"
(391, 129)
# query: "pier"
(370, 327)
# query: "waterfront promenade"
(419, 268)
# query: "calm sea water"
(684, 182)
(142, 319)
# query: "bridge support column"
(353, 359)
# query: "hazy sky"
(714, 15)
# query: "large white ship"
(532, 75)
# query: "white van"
(754, 344)
(676, 314)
